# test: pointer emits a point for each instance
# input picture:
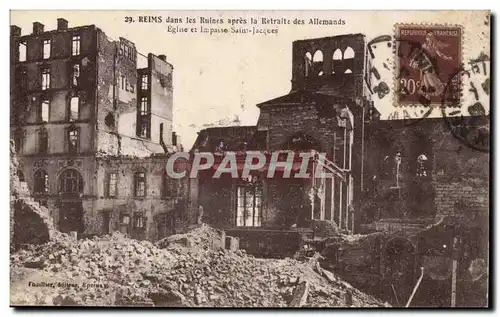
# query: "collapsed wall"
(30, 223)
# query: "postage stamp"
(427, 57)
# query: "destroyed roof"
(234, 138)
(304, 96)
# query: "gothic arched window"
(348, 53)
(71, 182)
(318, 62)
(337, 55)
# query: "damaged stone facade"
(325, 112)
(79, 105)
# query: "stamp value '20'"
(427, 56)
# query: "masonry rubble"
(183, 270)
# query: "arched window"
(348, 71)
(318, 62)
(307, 63)
(348, 53)
(337, 55)
(41, 182)
(71, 182)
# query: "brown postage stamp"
(427, 57)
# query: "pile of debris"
(189, 271)
(107, 264)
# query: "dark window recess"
(144, 82)
(143, 119)
(71, 182)
(139, 220)
(249, 206)
(20, 175)
(170, 187)
(109, 120)
(124, 218)
(112, 182)
(23, 80)
(161, 134)
(19, 141)
(41, 182)
(140, 184)
(43, 141)
(73, 140)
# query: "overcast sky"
(220, 78)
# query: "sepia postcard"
(250, 158)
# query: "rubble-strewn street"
(189, 271)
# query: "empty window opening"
(318, 62)
(41, 182)
(143, 120)
(73, 141)
(45, 111)
(74, 110)
(308, 63)
(144, 82)
(348, 71)
(45, 78)
(75, 75)
(140, 184)
(144, 106)
(46, 49)
(337, 55)
(348, 53)
(124, 218)
(112, 182)
(249, 206)
(22, 51)
(71, 182)
(75, 45)
(139, 220)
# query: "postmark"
(468, 120)
(426, 57)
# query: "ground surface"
(183, 270)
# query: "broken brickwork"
(86, 109)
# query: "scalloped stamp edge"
(395, 76)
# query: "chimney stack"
(15, 30)
(163, 57)
(37, 28)
(62, 24)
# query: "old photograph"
(250, 159)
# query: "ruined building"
(326, 111)
(82, 114)
(415, 187)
